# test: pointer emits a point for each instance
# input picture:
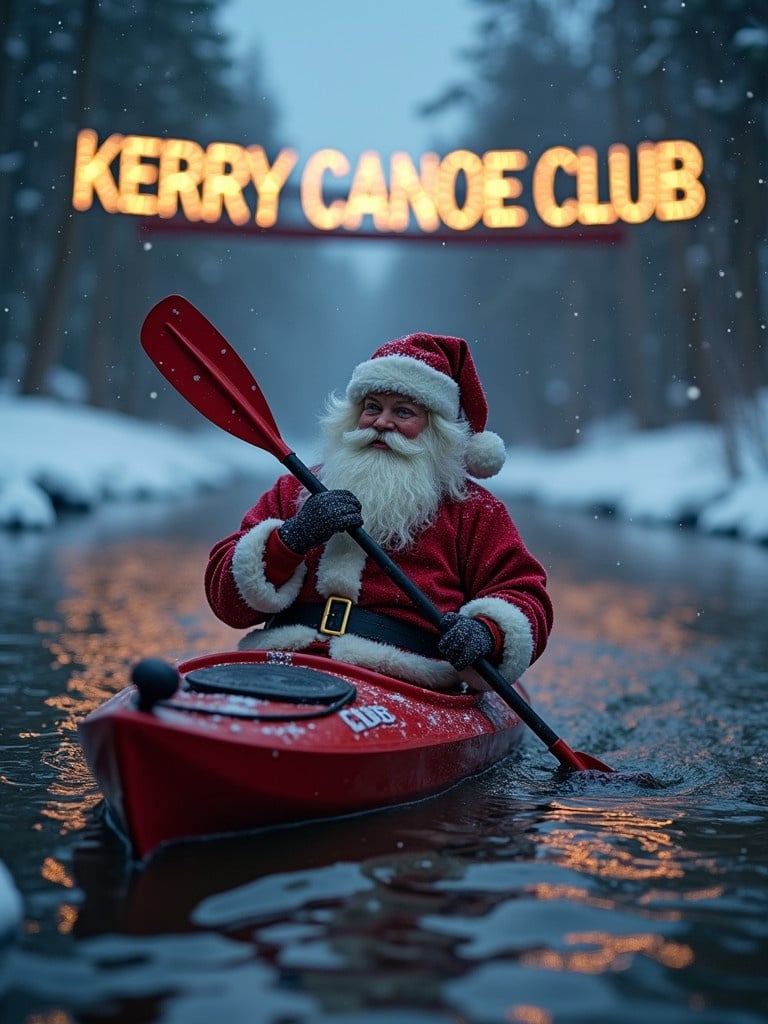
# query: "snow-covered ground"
(57, 455)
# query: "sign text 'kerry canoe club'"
(169, 178)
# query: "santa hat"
(439, 373)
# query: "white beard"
(400, 488)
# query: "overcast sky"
(348, 74)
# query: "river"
(521, 897)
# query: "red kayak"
(247, 739)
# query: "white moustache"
(365, 437)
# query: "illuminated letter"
(620, 178)
(368, 194)
(681, 194)
(182, 167)
(406, 187)
(320, 216)
(543, 188)
(453, 216)
(134, 172)
(92, 172)
(498, 188)
(269, 182)
(591, 210)
(228, 171)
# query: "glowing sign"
(155, 177)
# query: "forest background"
(666, 324)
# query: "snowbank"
(673, 476)
(60, 456)
(63, 456)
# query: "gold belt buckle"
(329, 612)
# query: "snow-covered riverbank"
(57, 455)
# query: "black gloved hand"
(319, 518)
(464, 640)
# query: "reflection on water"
(524, 896)
(113, 606)
(131, 601)
(617, 843)
(615, 613)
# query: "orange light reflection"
(586, 841)
(609, 637)
(523, 1014)
(67, 918)
(614, 612)
(610, 953)
(138, 599)
(54, 871)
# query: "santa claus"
(401, 448)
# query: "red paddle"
(206, 370)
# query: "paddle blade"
(204, 368)
(576, 759)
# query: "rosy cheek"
(413, 428)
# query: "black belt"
(339, 616)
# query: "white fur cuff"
(249, 571)
(518, 635)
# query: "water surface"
(523, 896)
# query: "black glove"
(319, 518)
(464, 640)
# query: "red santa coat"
(471, 559)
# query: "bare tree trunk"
(9, 76)
(100, 346)
(748, 234)
(46, 332)
(136, 365)
(630, 284)
(8, 81)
